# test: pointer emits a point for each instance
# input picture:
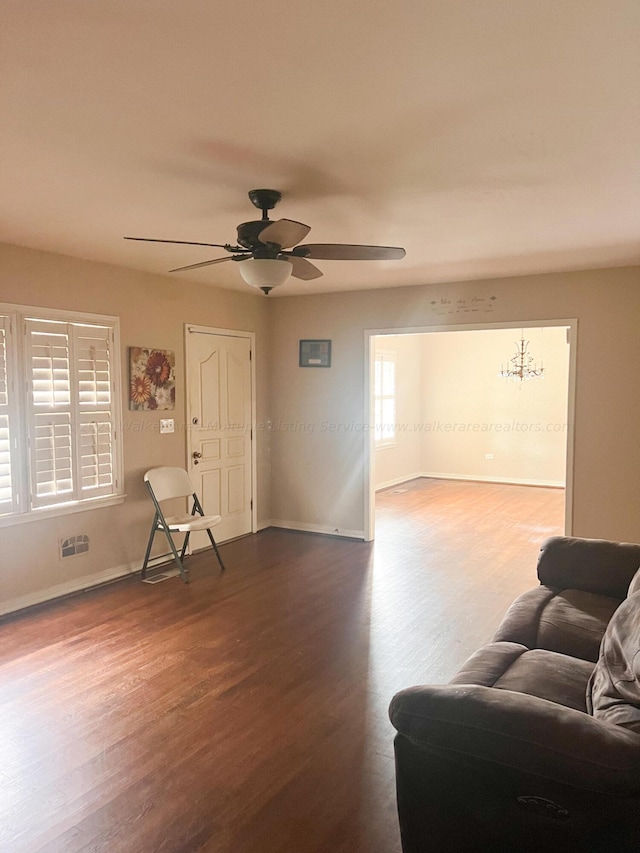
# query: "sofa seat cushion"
(569, 621)
(613, 694)
(512, 666)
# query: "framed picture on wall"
(315, 353)
(152, 379)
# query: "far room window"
(60, 433)
(385, 398)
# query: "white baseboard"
(398, 480)
(512, 481)
(12, 605)
(61, 589)
(317, 528)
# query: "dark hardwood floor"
(247, 712)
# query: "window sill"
(384, 445)
(62, 509)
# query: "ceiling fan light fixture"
(265, 272)
(264, 246)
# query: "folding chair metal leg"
(185, 545)
(215, 548)
(176, 556)
(154, 527)
(197, 508)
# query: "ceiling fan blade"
(180, 242)
(203, 264)
(284, 233)
(346, 252)
(302, 269)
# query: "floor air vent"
(162, 576)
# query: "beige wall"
(152, 311)
(311, 459)
(319, 476)
(453, 408)
(470, 411)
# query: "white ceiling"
(487, 137)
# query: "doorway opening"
(440, 408)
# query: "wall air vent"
(74, 545)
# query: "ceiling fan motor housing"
(249, 233)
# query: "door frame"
(190, 328)
(369, 352)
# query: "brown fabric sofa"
(534, 745)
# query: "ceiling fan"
(270, 252)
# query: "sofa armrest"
(521, 732)
(592, 565)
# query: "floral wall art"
(152, 379)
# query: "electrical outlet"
(166, 425)
(488, 455)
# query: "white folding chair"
(167, 483)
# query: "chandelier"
(521, 365)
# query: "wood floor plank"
(247, 711)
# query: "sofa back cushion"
(613, 692)
(593, 565)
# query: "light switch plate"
(166, 425)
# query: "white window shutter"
(93, 362)
(96, 463)
(7, 497)
(51, 459)
(96, 454)
(48, 350)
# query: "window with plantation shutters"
(69, 451)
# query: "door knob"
(197, 455)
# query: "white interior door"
(219, 411)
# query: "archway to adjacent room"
(464, 422)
